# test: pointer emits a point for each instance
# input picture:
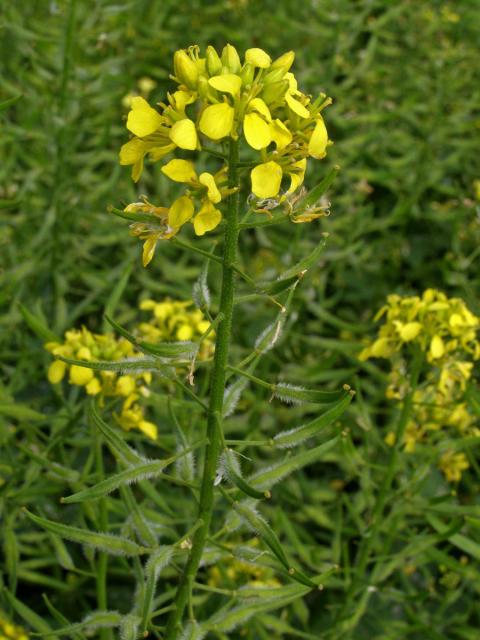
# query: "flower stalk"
(214, 420)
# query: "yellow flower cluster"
(452, 464)
(441, 327)
(84, 345)
(176, 320)
(446, 331)
(9, 631)
(218, 97)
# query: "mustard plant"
(248, 123)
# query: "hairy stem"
(214, 422)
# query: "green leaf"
(300, 267)
(257, 523)
(156, 563)
(10, 101)
(193, 631)
(19, 412)
(317, 192)
(458, 540)
(185, 349)
(153, 221)
(116, 294)
(129, 365)
(233, 472)
(295, 395)
(266, 479)
(249, 514)
(37, 325)
(227, 619)
(95, 620)
(104, 541)
(29, 616)
(135, 473)
(162, 350)
(9, 204)
(117, 444)
(294, 437)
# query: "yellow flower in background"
(10, 631)
(173, 320)
(84, 345)
(446, 331)
(452, 465)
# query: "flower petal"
(266, 179)
(184, 134)
(180, 170)
(206, 219)
(280, 134)
(217, 120)
(180, 212)
(256, 131)
(142, 119)
(258, 105)
(258, 58)
(56, 371)
(149, 249)
(296, 106)
(148, 428)
(228, 83)
(209, 181)
(297, 176)
(318, 141)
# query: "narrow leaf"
(306, 263)
(104, 541)
(37, 325)
(267, 478)
(157, 561)
(135, 473)
(117, 444)
(294, 437)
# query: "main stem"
(214, 422)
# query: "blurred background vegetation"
(405, 82)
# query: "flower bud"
(185, 69)
(274, 76)
(284, 62)
(205, 91)
(247, 74)
(274, 91)
(231, 59)
(214, 64)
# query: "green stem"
(102, 563)
(377, 517)
(214, 422)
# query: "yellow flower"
(206, 219)
(452, 465)
(142, 119)
(84, 345)
(317, 144)
(56, 371)
(216, 121)
(258, 58)
(266, 179)
(184, 171)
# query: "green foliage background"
(405, 81)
